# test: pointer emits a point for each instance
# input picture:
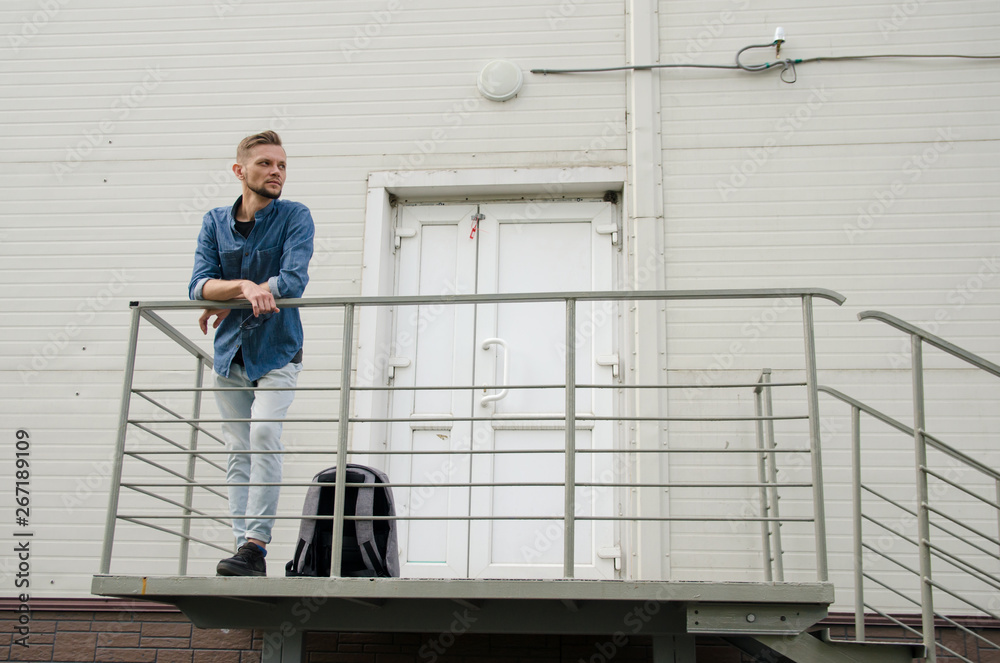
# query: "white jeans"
(250, 506)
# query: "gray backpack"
(370, 547)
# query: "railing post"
(859, 570)
(765, 530)
(191, 461)
(923, 514)
(345, 413)
(119, 458)
(812, 394)
(569, 514)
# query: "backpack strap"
(307, 529)
(364, 508)
(391, 561)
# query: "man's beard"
(261, 191)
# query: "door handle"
(506, 365)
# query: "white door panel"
(517, 247)
(438, 343)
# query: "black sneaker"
(248, 561)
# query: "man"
(258, 250)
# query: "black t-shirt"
(245, 227)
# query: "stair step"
(807, 648)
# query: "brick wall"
(103, 630)
(130, 634)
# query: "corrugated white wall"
(119, 120)
(872, 178)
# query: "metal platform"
(511, 606)
(671, 612)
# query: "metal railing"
(198, 428)
(985, 545)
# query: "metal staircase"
(956, 513)
(767, 616)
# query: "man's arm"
(259, 296)
(219, 290)
(291, 279)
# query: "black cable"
(786, 65)
(634, 67)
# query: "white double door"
(544, 246)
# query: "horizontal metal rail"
(476, 452)
(968, 602)
(979, 574)
(878, 522)
(727, 385)
(651, 519)
(867, 409)
(972, 529)
(962, 488)
(178, 419)
(178, 504)
(968, 631)
(894, 620)
(959, 456)
(168, 470)
(931, 339)
(180, 449)
(891, 501)
(180, 535)
(509, 298)
(442, 486)
(178, 338)
(436, 419)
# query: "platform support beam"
(282, 648)
(673, 649)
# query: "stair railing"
(928, 550)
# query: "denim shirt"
(277, 250)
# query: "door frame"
(378, 264)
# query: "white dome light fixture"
(500, 80)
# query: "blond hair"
(250, 142)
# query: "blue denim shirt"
(277, 251)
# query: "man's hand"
(260, 298)
(219, 313)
